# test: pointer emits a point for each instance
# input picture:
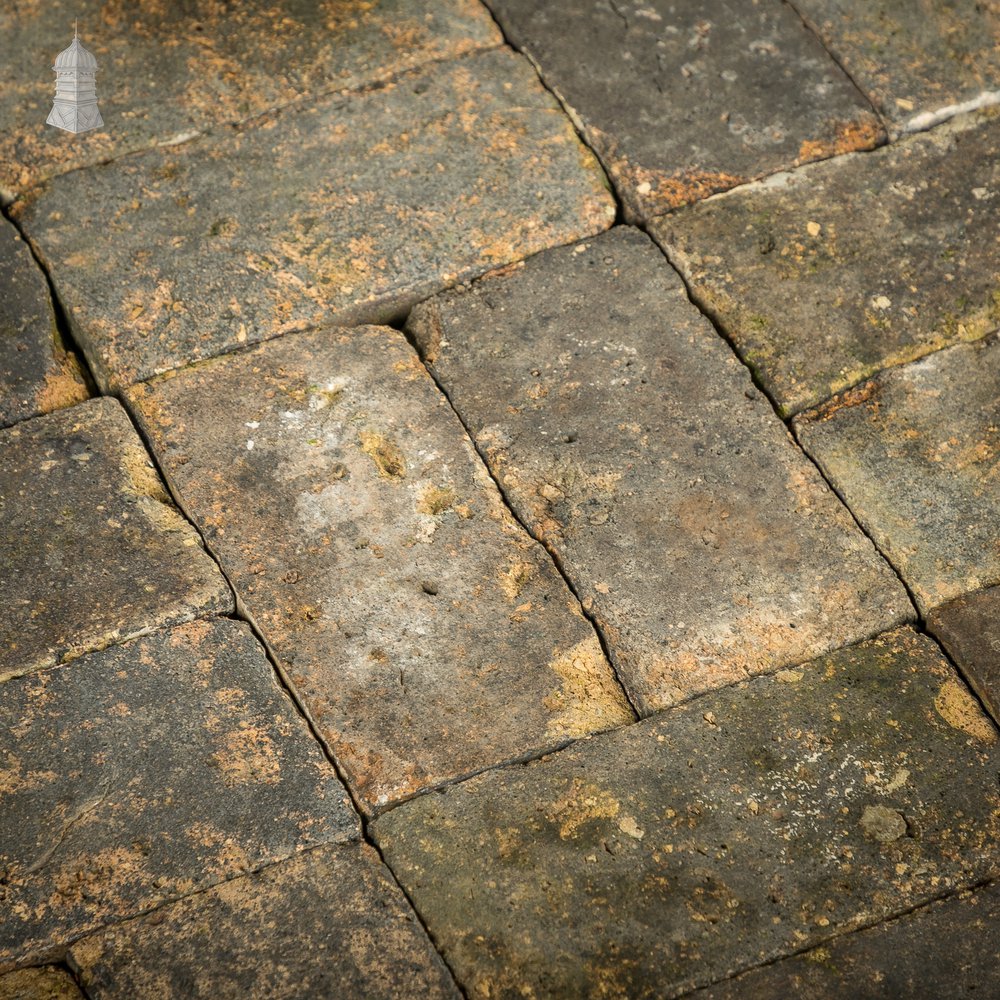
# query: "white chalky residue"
(249, 444)
(928, 119)
(252, 424)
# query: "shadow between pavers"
(747, 824)
(146, 772)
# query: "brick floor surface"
(616, 619)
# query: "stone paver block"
(629, 439)
(148, 771)
(681, 99)
(167, 70)
(948, 949)
(915, 452)
(92, 549)
(428, 635)
(969, 629)
(916, 61)
(822, 277)
(346, 209)
(46, 983)
(37, 373)
(716, 836)
(331, 923)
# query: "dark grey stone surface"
(37, 373)
(331, 923)
(91, 548)
(345, 209)
(730, 831)
(146, 772)
(948, 949)
(681, 99)
(822, 277)
(629, 438)
(915, 452)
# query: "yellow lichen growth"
(385, 453)
(583, 803)
(436, 500)
(961, 711)
(514, 577)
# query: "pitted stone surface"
(148, 771)
(46, 983)
(683, 99)
(91, 548)
(912, 59)
(969, 629)
(629, 439)
(37, 373)
(166, 70)
(948, 949)
(915, 452)
(716, 836)
(822, 277)
(427, 634)
(345, 209)
(331, 923)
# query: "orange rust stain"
(867, 392)
(848, 137)
(691, 186)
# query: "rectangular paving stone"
(145, 772)
(681, 99)
(721, 834)
(915, 452)
(346, 209)
(969, 629)
(168, 70)
(330, 923)
(824, 276)
(628, 438)
(947, 949)
(37, 373)
(93, 551)
(46, 983)
(914, 61)
(428, 635)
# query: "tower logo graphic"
(75, 106)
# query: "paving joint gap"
(243, 614)
(970, 687)
(63, 329)
(844, 933)
(605, 649)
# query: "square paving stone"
(969, 629)
(169, 70)
(915, 452)
(148, 771)
(331, 923)
(681, 99)
(428, 635)
(628, 438)
(346, 209)
(948, 949)
(721, 834)
(37, 373)
(824, 276)
(47, 983)
(916, 61)
(92, 549)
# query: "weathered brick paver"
(718, 835)
(167, 69)
(425, 631)
(46, 983)
(145, 772)
(683, 99)
(969, 629)
(37, 373)
(915, 452)
(629, 438)
(948, 949)
(344, 209)
(914, 60)
(91, 548)
(331, 923)
(822, 277)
